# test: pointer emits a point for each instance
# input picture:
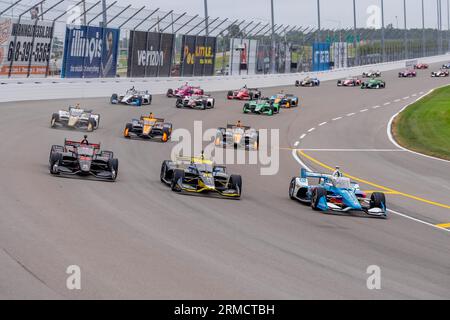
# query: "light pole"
(104, 13)
(318, 21)
(423, 31)
(272, 52)
(206, 18)
(383, 47)
(354, 33)
(406, 31)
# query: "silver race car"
(237, 136)
(76, 118)
(201, 102)
(132, 97)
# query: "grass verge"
(425, 125)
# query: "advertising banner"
(243, 56)
(150, 54)
(321, 56)
(198, 55)
(90, 52)
(24, 47)
(340, 53)
(263, 59)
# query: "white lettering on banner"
(150, 58)
(85, 47)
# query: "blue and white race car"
(132, 97)
(308, 82)
(335, 193)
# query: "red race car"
(407, 74)
(421, 66)
(185, 91)
(244, 94)
(349, 82)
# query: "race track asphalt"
(136, 239)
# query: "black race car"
(83, 159)
(198, 175)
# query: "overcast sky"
(304, 12)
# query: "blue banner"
(321, 56)
(90, 52)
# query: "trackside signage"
(24, 47)
(198, 55)
(150, 54)
(321, 56)
(90, 52)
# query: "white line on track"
(296, 143)
(311, 130)
(297, 158)
(397, 100)
(421, 92)
(350, 114)
(376, 107)
(364, 110)
(336, 119)
(323, 123)
(414, 95)
(354, 150)
(386, 104)
(303, 136)
(406, 98)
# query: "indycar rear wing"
(233, 126)
(307, 174)
(70, 143)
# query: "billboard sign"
(243, 56)
(321, 56)
(24, 47)
(90, 52)
(150, 54)
(198, 55)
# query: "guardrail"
(45, 88)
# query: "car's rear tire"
(230, 95)
(236, 183)
(246, 108)
(169, 93)
(179, 103)
(177, 175)
(317, 194)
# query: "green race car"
(262, 106)
(374, 84)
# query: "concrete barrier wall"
(56, 88)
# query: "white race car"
(76, 118)
(132, 97)
(440, 74)
(201, 102)
(237, 136)
(371, 74)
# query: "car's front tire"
(318, 193)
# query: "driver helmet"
(337, 173)
(239, 124)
